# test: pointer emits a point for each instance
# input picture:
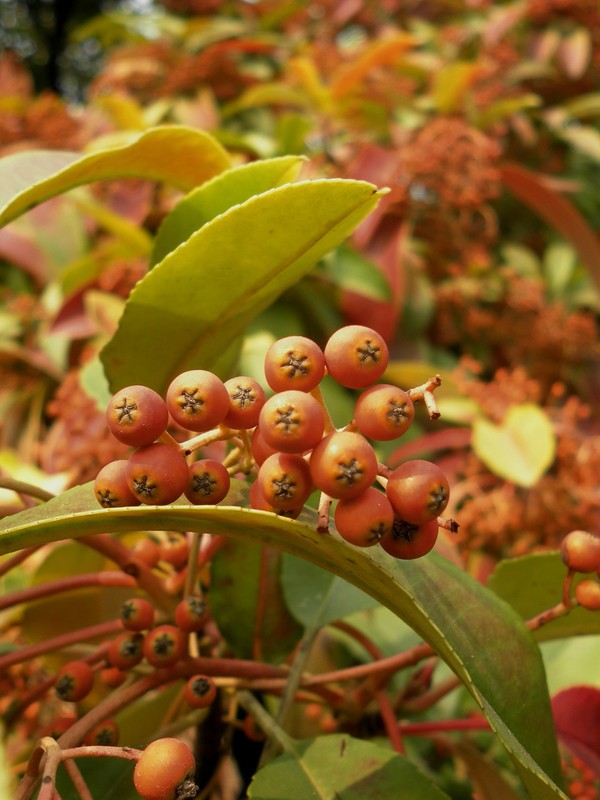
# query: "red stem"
(65, 585)
(444, 725)
(17, 559)
(389, 720)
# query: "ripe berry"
(74, 681)
(137, 416)
(200, 691)
(165, 771)
(111, 486)
(292, 421)
(383, 412)
(105, 733)
(409, 541)
(147, 551)
(191, 614)
(137, 614)
(343, 464)
(112, 677)
(197, 400)
(587, 594)
(294, 362)
(251, 729)
(418, 490)
(356, 356)
(174, 549)
(246, 398)
(260, 449)
(580, 550)
(164, 646)
(259, 503)
(157, 474)
(208, 482)
(125, 650)
(284, 480)
(364, 520)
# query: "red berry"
(580, 550)
(197, 400)
(284, 480)
(251, 729)
(164, 646)
(111, 486)
(343, 464)
(587, 594)
(208, 482)
(246, 398)
(409, 541)
(356, 356)
(259, 503)
(165, 770)
(383, 412)
(74, 681)
(418, 490)
(294, 362)
(125, 650)
(292, 421)
(174, 549)
(364, 520)
(105, 733)
(157, 474)
(191, 614)
(260, 449)
(147, 551)
(137, 416)
(137, 614)
(200, 691)
(112, 677)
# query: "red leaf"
(557, 212)
(577, 717)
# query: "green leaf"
(339, 767)
(247, 603)
(190, 308)
(520, 449)
(478, 635)
(217, 195)
(182, 156)
(110, 778)
(559, 267)
(350, 270)
(533, 583)
(316, 597)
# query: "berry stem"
(323, 510)
(390, 722)
(166, 438)
(448, 524)
(425, 392)
(17, 558)
(77, 779)
(21, 487)
(220, 433)
(65, 585)
(559, 610)
(431, 697)
(567, 600)
(318, 395)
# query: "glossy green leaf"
(488, 782)
(190, 308)
(111, 779)
(521, 448)
(350, 270)
(341, 767)
(247, 603)
(182, 156)
(329, 598)
(217, 195)
(478, 635)
(531, 584)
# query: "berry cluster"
(288, 441)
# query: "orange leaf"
(378, 54)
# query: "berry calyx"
(197, 400)
(137, 614)
(157, 474)
(165, 771)
(284, 480)
(383, 412)
(343, 464)
(294, 362)
(356, 356)
(408, 541)
(125, 650)
(200, 691)
(292, 421)
(164, 646)
(74, 681)
(208, 482)
(418, 490)
(111, 486)
(364, 520)
(137, 416)
(246, 398)
(191, 614)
